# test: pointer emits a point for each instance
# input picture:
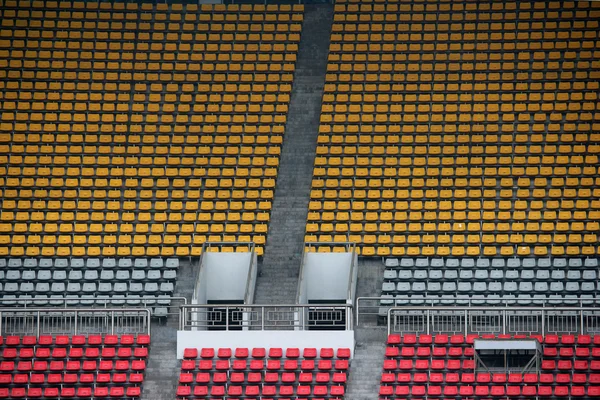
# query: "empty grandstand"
(450, 223)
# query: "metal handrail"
(301, 309)
(75, 311)
(435, 299)
(504, 310)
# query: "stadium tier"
(460, 128)
(72, 366)
(265, 373)
(443, 366)
(140, 129)
(84, 281)
(496, 281)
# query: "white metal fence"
(493, 320)
(73, 321)
(266, 317)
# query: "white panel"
(507, 344)
(226, 275)
(266, 339)
(327, 275)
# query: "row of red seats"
(425, 365)
(500, 390)
(76, 340)
(569, 365)
(442, 352)
(66, 392)
(443, 339)
(258, 377)
(9, 353)
(73, 366)
(259, 352)
(257, 390)
(70, 379)
(487, 378)
(259, 365)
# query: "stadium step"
(364, 376)
(283, 253)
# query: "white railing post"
(39, 321)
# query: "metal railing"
(493, 320)
(367, 309)
(73, 321)
(265, 317)
(169, 304)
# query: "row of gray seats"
(486, 300)
(87, 263)
(88, 275)
(150, 288)
(487, 274)
(502, 288)
(408, 262)
(157, 304)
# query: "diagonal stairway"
(284, 249)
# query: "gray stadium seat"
(434, 287)
(77, 263)
(28, 263)
(572, 287)
(558, 274)
(525, 287)
(437, 263)
(542, 274)
(528, 263)
(481, 274)
(480, 287)
(407, 263)
(58, 287)
(151, 288)
(452, 263)
(589, 275)
(137, 287)
(46, 263)
(496, 274)
(74, 287)
(59, 275)
(483, 263)
(28, 275)
(75, 275)
(421, 263)
(557, 286)
(527, 274)
(118, 299)
(156, 263)
(389, 262)
(544, 263)
(404, 274)
(524, 299)
(418, 287)
(122, 275)
(403, 287)
(466, 274)
(559, 263)
(104, 287)
(125, 263)
(109, 263)
(541, 287)
(107, 275)
(575, 263)
(436, 274)
(90, 275)
(138, 275)
(388, 287)
(420, 274)
(13, 275)
(513, 263)
(591, 262)
(120, 287)
(467, 263)
(89, 287)
(26, 287)
(92, 263)
(153, 275)
(573, 274)
(140, 263)
(61, 263)
(449, 287)
(464, 287)
(133, 300)
(495, 287)
(450, 274)
(509, 287)
(42, 287)
(15, 263)
(40, 300)
(170, 274)
(390, 274)
(498, 263)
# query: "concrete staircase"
(365, 370)
(278, 278)
(162, 370)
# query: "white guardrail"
(493, 320)
(266, 317)
(73, 321)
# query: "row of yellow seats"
(337, 133)
(483, 31)
(26, 218)
(225, 183)
(465, 76)
(471, 8)
(120, 240)
(463, 118)
(139, 95)
(112, 21)
(459, 251)
(110, 251)
(359, 193)
(131, 215)
(456, 18)
(488, 87)
(506, 46)
(107, 87)
(441, 66)
(386, 58)
(147, 106)
(155, 172)
(443, 210)
(240, 62)
(116, 135)
(558, 94)
(162, 193)
(158, 205)
(427, 229)
(148, 7)
(382, 134)
(149, 118)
